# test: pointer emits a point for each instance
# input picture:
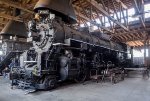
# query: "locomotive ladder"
(51, 58)
(96, 70)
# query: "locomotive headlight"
(43, 12)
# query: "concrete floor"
(132, 89)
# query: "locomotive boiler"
(60, 52)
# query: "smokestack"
(61, 8)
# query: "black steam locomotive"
(60, 52)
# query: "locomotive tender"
(60, 52)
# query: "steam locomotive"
(60, 52)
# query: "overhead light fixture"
(14, 28)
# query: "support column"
(148, 53)
(145, 62)
(131, 51)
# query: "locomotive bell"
(61, 8)
(14, 28)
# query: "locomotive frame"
(85, 57)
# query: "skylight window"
(95, 28)
(98, 21)
(82, 25)
(137, 53)
(147, 10)
(107, 24)
(147, 7)
(88, 23)
(131, 13)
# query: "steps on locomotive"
(94, 74)
(113, 75)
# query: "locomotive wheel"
(113, 79)
(81, 77)
(146, 75)
(122, 76)
(50, 83)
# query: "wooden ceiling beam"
(122, 4)
(1, 27)
(16, 5)
(139, 9)
(106, 8)
(3, 22)
(135, 43)
(131, 37)
(131, 32)
(100, 9)
(135, 39)
(2, 15)
(131, 44)
(92, 22)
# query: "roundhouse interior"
(88, 49)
